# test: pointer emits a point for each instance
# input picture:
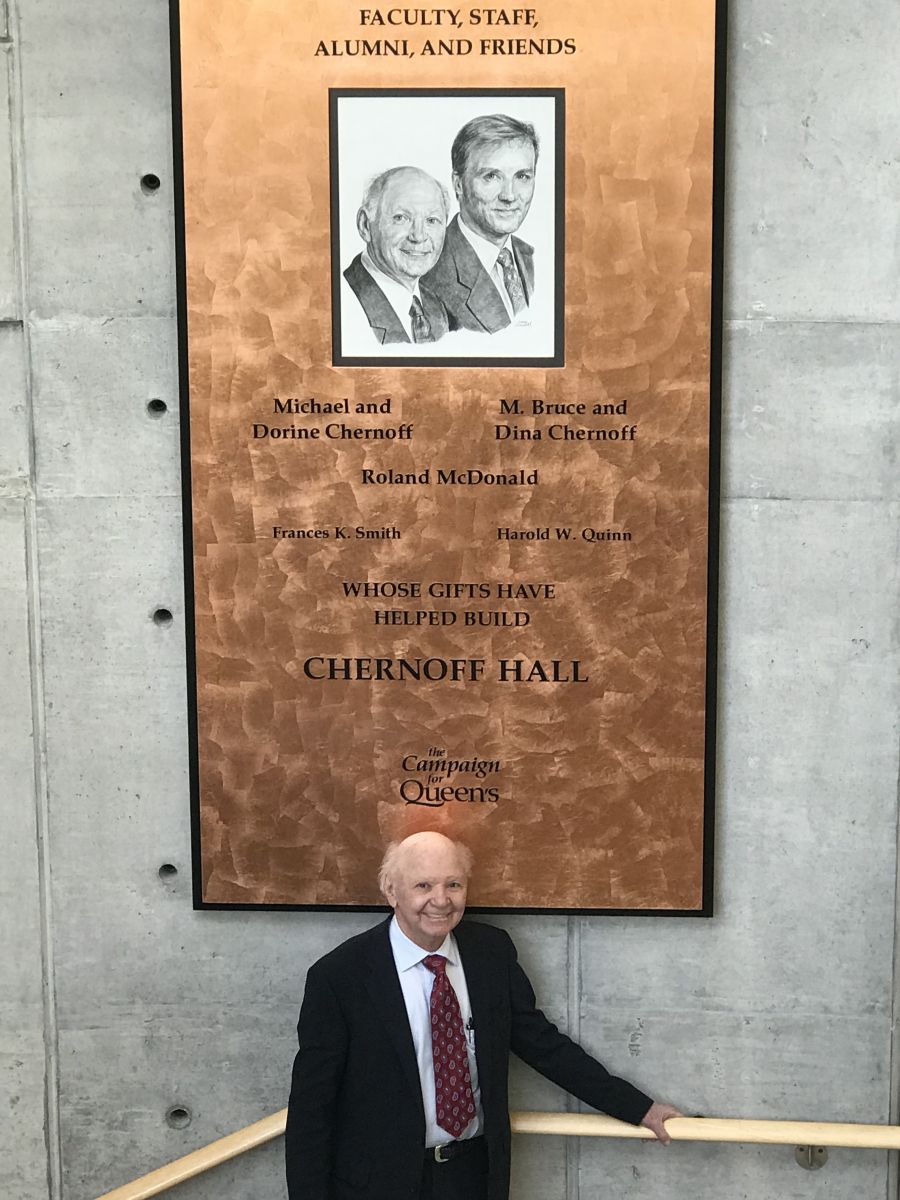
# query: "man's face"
(495, 189)
(428, 893)
(406, 233)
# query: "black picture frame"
(558, 167)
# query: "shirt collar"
(407, 954)
(487, 252)
(399, 297)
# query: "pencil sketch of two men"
(422, 274)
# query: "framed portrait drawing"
(510, 148)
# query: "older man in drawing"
(402, 221)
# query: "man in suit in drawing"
(400, 1083)
(485, 274)
(402, 220)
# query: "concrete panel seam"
(16, 489)
(761, 321)
(121, 495)
(573, 1018)
(893, 1171)
(71, 322)
(8, 249)
(41, 797)
(842, 500)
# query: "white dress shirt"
(488, 254)
(416, 982)
(399, 297)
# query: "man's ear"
(457, 186)
(362, 225)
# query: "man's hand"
(655, 1120)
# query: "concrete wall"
(117, 1000)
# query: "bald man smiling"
(402, 221)
(400, 1083)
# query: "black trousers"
(464, 1177)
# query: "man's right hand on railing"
(655, 1120)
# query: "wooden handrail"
(201, 1160)
(716, 1129)
(682, 1129)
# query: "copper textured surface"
(600, 784)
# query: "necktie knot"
(436, 963)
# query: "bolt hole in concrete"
(156, 408)
(167, 871)
(179, 1117)
(150, 184)
(162, 616)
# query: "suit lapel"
(477, 973)
(483, 300)
(386, 995)
(435, 312)
(484, 303)
(384, 322)
(524, 256)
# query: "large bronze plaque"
(451, 565)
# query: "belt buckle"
(438, 1156)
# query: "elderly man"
(402, 220)
(485, 275)
(400, 1083)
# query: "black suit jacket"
(461, 282)
(356, 1124)
(384, 321)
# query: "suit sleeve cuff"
(633, 1107)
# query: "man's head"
(424, 879)
(494, 160)
(402, 220)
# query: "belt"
(450, 1150)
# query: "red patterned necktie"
(454, 1101)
